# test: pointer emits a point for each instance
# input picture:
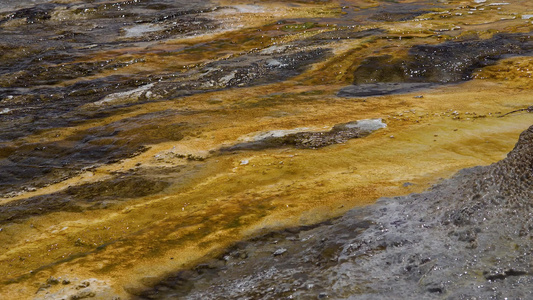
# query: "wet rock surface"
(428, 65)
(53, 73)
(455, 61)
(252, 69)
(468, 237)
(43, 85)
(340, 133)
(48, 79)
(92, 196)
(39, 164)
(141, 137)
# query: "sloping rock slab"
(469, 237)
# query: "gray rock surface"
(469, 237)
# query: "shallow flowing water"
(140, 138)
